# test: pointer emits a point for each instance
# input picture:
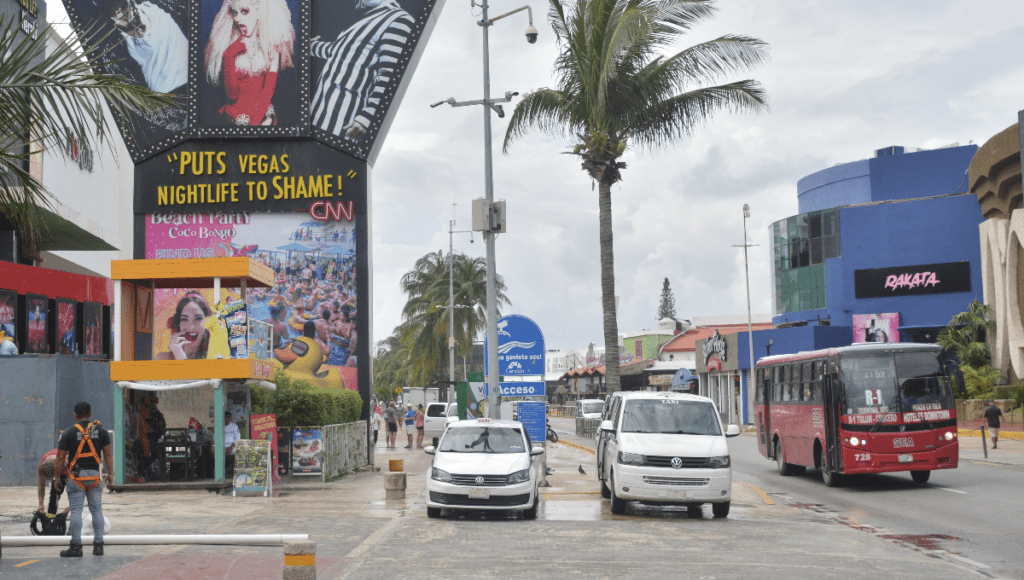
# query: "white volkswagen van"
(665, 448)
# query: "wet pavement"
(359, 534)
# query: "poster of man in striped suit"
(357, 67)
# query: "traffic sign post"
(533, 416)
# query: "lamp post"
(451, 307)
(750, 324)
(493, 397)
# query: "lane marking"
(987, 463)
(25, 563)
(948, 489)
(962, 559)
(764, 496)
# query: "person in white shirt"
(231, 436)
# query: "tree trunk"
(611, 327)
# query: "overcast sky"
(845, 78)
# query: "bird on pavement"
(581, 471)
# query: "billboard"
(323, 69)
(876, 327)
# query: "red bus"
(867, 408)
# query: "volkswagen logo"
(479, 480)
(677, 462)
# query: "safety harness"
(86, 438)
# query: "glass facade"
(800, 246)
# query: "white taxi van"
(665, 448)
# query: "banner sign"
(913, 280)
(307, 451)
(252, 466)
(522, 389)
(264, 428)
(520, 347)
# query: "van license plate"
(479, 493)
(906, 458)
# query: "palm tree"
(616, 88)
(49, 100)
(424, 332)
(964, 335)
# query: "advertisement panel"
(913, 280)
(876, 327)
(311, 309)
(146, 44)
(8, 309)
(264, 428)
(67, 340)
(252, 466)
(307, 451)
(92, 341)
(37, 316)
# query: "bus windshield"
(895, 382)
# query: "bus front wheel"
(920, 476)
(830, 478)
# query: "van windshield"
(670, 416)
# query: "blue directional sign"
(532, 416)
(520, 347)
(522, 389)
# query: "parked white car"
(483, 464)
(589, 408)
(665, 448)
(434, 421)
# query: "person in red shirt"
(251, 41)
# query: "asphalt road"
(973, 512)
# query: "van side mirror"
(732, 431)
(607, 426)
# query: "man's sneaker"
(73, 551)
(97, 549)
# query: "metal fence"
(344, 448)
(587, 427)
(969, 412)
(562, 410)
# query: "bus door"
(833, 407)
(762, 402)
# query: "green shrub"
(981, 381)
(299, 404)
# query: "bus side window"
(817, 378)
(776, 384)
(759, 393)
(806, 382)
(787, 389)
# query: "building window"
(800, 246)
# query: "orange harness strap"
(86, 438)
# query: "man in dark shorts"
(80, 446)
(993, 413)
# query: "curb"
(1016, 436)
(577, 446)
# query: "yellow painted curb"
(300, 560)
(1002, 434)
(764, 496)
(25, 563)
(571, 444)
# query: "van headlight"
(519, 477)
(717, 462)
(630, 458)
(440, 475)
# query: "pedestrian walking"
(993, 413)
(410, 425)
(78, 458)
(376, 423)
(418, 420)
(391, 418)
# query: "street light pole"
(750, 324)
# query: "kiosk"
(222, 348)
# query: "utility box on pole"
(488, 217)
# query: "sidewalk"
(1009, 452)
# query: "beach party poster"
(311, 308)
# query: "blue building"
(884, 249)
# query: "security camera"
(437, 104)
(500, 110)
(510, 94)
(531, 34)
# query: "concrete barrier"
(394, 486)
(299, 560)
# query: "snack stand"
(233, 356)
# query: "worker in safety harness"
(81, 445)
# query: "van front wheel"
(618, 504)
(721, 510)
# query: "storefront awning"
(176, 385)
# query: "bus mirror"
(961, 387)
